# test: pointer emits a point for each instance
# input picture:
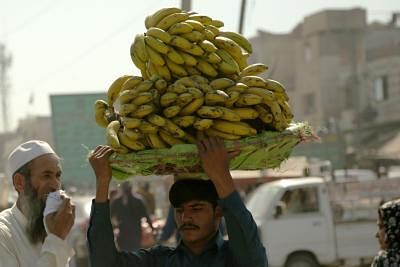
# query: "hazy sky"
(78, 46)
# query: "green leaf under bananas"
(265, 150)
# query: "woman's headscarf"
(389, 214)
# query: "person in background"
(127, 211)
(388, 235)
(199, 206)
(24, 242)
(144, 191)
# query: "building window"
(381, 91)
(309, 103)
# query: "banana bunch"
(156, 113)
(178, 44)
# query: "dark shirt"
(244, 248)
(129, 213)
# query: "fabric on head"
(389, 214)
(27, 152)
(192, 189)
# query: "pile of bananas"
(195, 83)
(178, 43)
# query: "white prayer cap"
(26, 152)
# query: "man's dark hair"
(192, 189)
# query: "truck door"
(300, 224)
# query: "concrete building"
(342, 75)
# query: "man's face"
(44, 178)
(197, 221)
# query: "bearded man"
(24, 241)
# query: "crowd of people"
(208, 218)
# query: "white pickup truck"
(308, 222)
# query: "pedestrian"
(127, 210)
(388, 235)
(199, 206)
(26, 238)
(149, 200)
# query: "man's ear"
(19, 182)
(218, 212)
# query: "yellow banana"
(168, 98)
(253, 69)
(199, 79)
(275, 87)
(221, 83)
(206, 68)
(133, 134)
(195, 50)
(268, 96)
(156, 44)
(156, 120)
(205, 20)
(131, 144)
(161, 85)
(246, 113)
(187, 81)
(111, 134)
(233, 97)
(205, 87)
(209, 112)
(126, 109)
(163, 71)
(225, 136)
(143, 111)
(130, 123)
(177, 70)
(172, 19)
(173, 129)
(139, 47)
(194, 36)
(195, 92)
(202, 124)
(144, 86)
(154, 56)
(248, 100)
(238, 87)
(155, 141)
(184, 99)
(169, 139)
(147, 127)
(213, 29)
(184, 121)
(151, 69)
(228, 65)
(286, 111)
(159, 34)
(214, 98)
(192, 106)
(141, 65)
(229, 115)
(180, 28)
(177, 88)
(208, 46)
(217, 23)
(191, 70)
(131, 83)
(212, 58)
(171, 111)
(196, 25)
(239, 39)
(188, 59)
(115, 88)
(174, 56)
(180, 42)
(236, 128)
(233, 49)
(209, 35)
(142, 98)
(253, 81)
(155, 18)
(100, 108)
(263, 114)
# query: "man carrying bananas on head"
(199, 206)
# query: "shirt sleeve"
(242, 231)
(55, 252)
(102, 250)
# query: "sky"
(75, 46)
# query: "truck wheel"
(301, 260)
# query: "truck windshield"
(260, 201)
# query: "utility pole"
(186, 5)
(5, 63)
(242, 14)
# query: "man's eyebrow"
(197, 205)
